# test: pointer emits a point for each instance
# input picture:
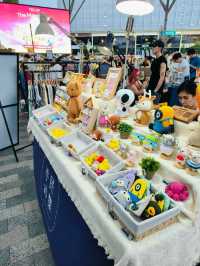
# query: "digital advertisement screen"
(26, 29)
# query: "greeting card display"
(99, 87)
(112, 81)
(89, 116)
(61, 97)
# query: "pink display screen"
(30, 28)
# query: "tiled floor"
(22, 235)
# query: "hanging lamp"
(44, 27)
(135, 7)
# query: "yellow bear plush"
(74, 104)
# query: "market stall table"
(62, 190)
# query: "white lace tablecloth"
(176, 245)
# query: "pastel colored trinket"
(180, 160)
(98, 163)
(150, 143)
(58, 133)
(114, 144)
(137, 138)
(167, 146)
(193, 163)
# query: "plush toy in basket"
(136, 196)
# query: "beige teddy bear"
(74, 104)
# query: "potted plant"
(149, 166)
(124, 130)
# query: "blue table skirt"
(70, 239)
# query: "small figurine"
(150, 143)
(74, 103)
(114, 121)
(71, 149)
(193, 163)
(180, 160)
(132, 158)
(97, 135)
(114, 144)
(137, 138)
(125, 99)
(144, 106)
(163, 120)
(103, 117)
(167, 146)
(194, 138)
(123, 150)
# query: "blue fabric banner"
(71, 241)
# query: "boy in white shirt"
(180, 71)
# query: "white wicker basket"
(133, 225)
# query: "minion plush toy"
(163, 120)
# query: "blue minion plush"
(163, 120)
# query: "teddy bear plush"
(74, 103)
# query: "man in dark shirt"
(158, 69)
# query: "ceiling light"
(134, 7)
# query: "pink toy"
(103, 121)
(177, 191)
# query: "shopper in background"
(187, 95)
(179, 72)
(135, 84)
(158, 71)
(194, 63)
